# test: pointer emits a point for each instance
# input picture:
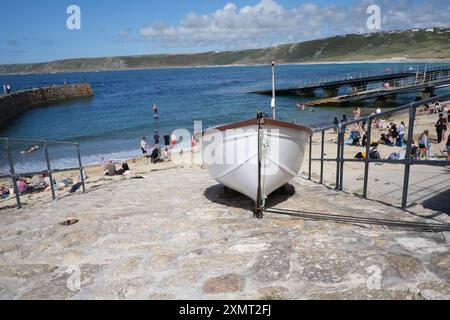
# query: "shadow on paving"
(440, 202)
(235, 199)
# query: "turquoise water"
(112, 123)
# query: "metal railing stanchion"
(13, 174)
(412, 116)
(49, 170)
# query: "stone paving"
(176, 235)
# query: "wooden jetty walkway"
(371, 85)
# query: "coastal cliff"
(16, 103)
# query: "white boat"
(255, 164)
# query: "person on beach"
(104, 163)
(335, 123)
(441, 128)
(155, 111)
(155, 156)
(385, 140)
(8, 88)
(357, 113)
(174, 140)
(111, 169)
(124, 170)
(166, 155)
(144, 146)
(374, 153)
(156, 138)
(344, 120)
(166, 139)
(401, 134)
(424, 144)
(448, 148)
(4, 89)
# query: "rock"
(327, 267)
(273, 293)
(271, 266)
(407, 267)
(442, 261)
(224, 284)
(25, 271)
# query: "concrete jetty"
(14, 104)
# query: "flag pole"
(273, 104)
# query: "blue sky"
(33, 31)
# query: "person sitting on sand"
(124, 170)
(111, 169)
(385, 140)
(22, 186)
(414, 150)
(424, 144)
(374, 154)
(166, 155)
(155, 156)
(355, 138)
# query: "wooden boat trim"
(264, 121)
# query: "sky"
(36, 31)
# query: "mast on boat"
(273, 92)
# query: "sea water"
(112, 123)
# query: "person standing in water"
(166, 139)
(155, 111)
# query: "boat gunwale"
(264, 121)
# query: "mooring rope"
(422, 226)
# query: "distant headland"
(417, 44)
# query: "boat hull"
(232, 155)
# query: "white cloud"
(268, 23)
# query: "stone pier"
(16, 103)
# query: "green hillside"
(412, 44)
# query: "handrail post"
(337, 157)
(322, 150)
(49, 170)
(81, 168)
(13, 174)
(342, 157)
(310, 158)
(412, 116)
(367, 159)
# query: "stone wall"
(18, 102)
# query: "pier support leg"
(330, 92)
(380, 102)
(391, 97)
(306, 93)
(428, 93)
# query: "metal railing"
(340, 159)
(430, 78)
(416, 69)
(49, 171)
